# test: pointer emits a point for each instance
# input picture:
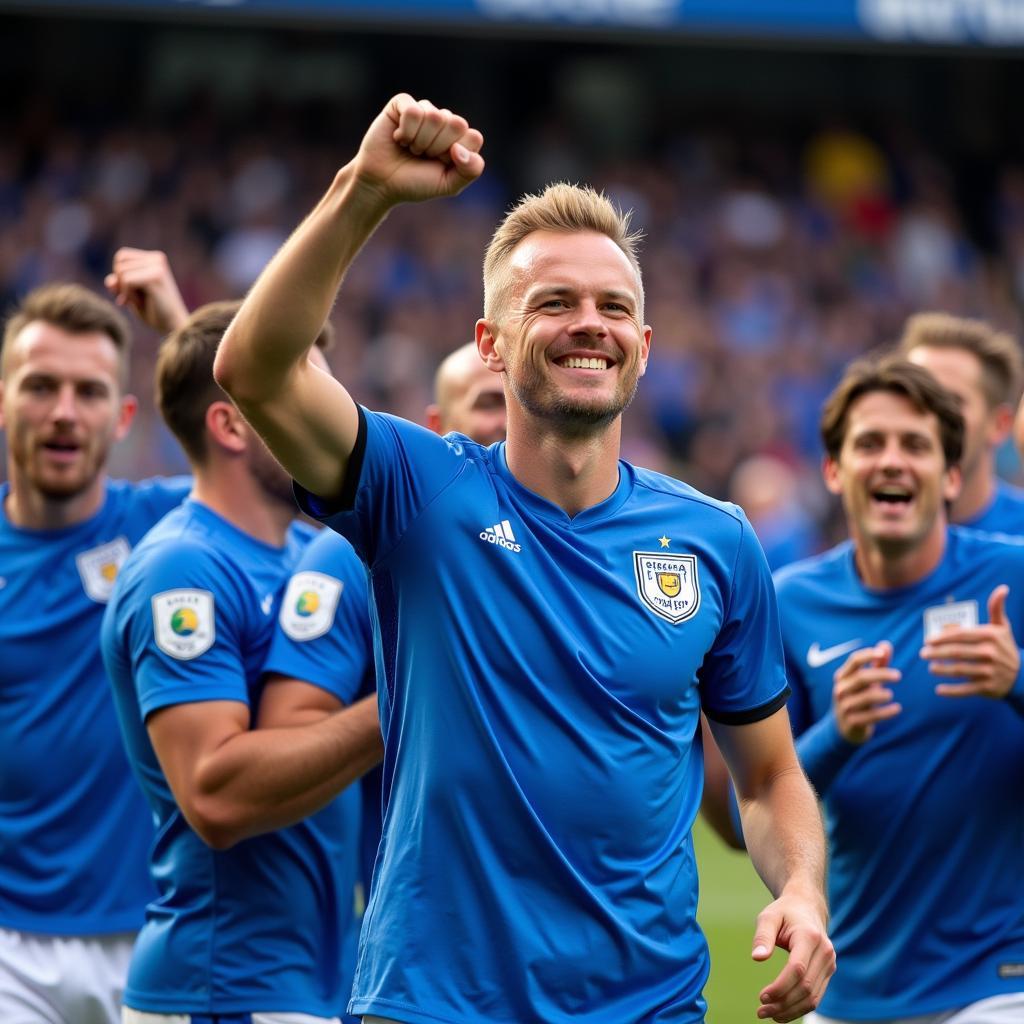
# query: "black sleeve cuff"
(751, 715)
(325, 506)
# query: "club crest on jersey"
(183, 622)
(98, 568)
(668, 584)
(310, 601)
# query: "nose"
(65, 408)
(588, 321)
(892, 458)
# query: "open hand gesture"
(986, 656)
(861, 694)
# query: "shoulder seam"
(732, 513)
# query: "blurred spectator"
(769, 266)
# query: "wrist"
(361, 192)
(808, 889)
(1015, 695)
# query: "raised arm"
(411, 152)
(142, 280)
(784, 836)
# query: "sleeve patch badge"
(183, 622)
(309, 604)
(99, 567)
(668, 584)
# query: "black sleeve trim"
(354, 470)
(323, 507)
(753, 714)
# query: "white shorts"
(57, 979)
(130, 1016)
(997, 1010)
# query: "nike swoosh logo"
(818, 656)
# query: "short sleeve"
(397, 469)
(184, 630)
(743, 678)
(322, 635)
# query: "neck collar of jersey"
(554, 513)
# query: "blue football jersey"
(925, 820)
(74, 829)
(541, 679)
(323, 637)
(1004, 515)
(259, 926)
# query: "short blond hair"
(1002, 366)
(560, 207)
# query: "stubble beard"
(53, 487)
(543, 400)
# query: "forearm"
(290, 301)
(783, 832)
(265, 779)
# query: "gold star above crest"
(664, 541)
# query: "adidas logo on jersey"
(502, 535)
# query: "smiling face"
(571, 341)
(62, 409)
(892, 476)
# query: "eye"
(92, 391)
(555, 304)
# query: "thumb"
(766, 934)
(997, 605)
(465, 163)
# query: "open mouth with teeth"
(892, 496)
(582, 362)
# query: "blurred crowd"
(767, 268)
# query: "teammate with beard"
(74, 830)
(255, 860)
(549, 622)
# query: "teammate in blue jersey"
(548, 624)
(74, 831)
(982, 368)
(255, 860)
(908, 701)
(330, 636)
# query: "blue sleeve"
(820, 745)
(185, 630)
(743, 677)
(397, 468)
(322, 635)
(1015, 698)
(159, 495)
